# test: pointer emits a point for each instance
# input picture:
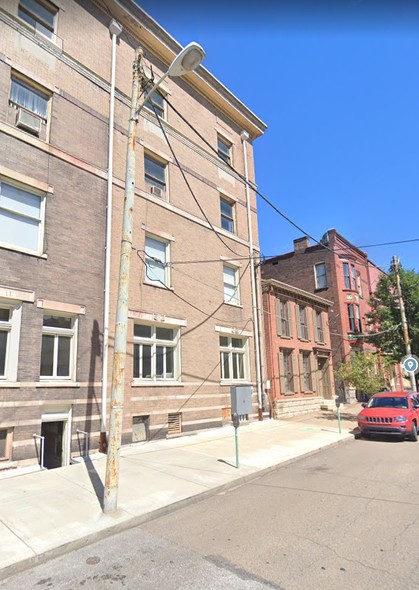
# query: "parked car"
(395, 413)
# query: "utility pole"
(121, 325)
(403, 318)
(186, 61)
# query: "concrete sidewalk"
(47, 513)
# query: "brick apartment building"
(298, 349)
(340, 272)
(63, 123)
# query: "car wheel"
(414, 432)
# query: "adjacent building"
(341, 273)
(298, 349)
(65, 91)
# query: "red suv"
(393, 412)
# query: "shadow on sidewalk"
(95, 479)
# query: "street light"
(186, 61)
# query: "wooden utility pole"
(403, 319)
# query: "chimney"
(301, 244)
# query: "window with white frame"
(320, 275)
(155, 176)
(156, 352)
(24, 94)
(305, 371)
(39, 14)
(58, 352)
(302, 322)
(21, 219)
(234, 359)
(354, 316)
(156, 104)
(10, 317)
(227, 214)
(156, 261)
(224, 149)
(283, 324)
(349, 276)
(359, 284)
(231, 284)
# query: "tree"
(362, 373)
(384, 320)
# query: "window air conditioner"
(28, 121)
(156, 190)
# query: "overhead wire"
(262, 196)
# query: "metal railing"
(41, 450)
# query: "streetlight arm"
(186, 61)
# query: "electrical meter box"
(241, 399)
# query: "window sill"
(13, 249)
(158, 285)
(139, 383)
(238, 305)
(10, 384)
(236, 382)
(57, 384)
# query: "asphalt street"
(343, 518)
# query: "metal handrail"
(86, 434)
(41, 454)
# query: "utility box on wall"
(241, 399)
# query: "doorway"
(324, 377)
(53, 433)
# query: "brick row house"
(65, 88)
(298, 349)
(340, 272)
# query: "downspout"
(115, 29)
(245, 137)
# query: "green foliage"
(385, 319)
(361, 372)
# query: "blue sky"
(337, 83)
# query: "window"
(227, 215)
(10, 317)
(286, 371)
(283, 323)
(349, 275)
(305, 372)
(231, 285)
(6, 442)
(320, 275)
(155, 176)
(5, 327)
(224, 149)
(346, 275)
(156, 257)
(233, 358)
(156, 352)
(32, 100)
(21, 219)
(359, 284)
(318, 317)
(156, 103)
(354, 316)
(58, 347)
(40, 15)
(302, 323)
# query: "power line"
(274, 207)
